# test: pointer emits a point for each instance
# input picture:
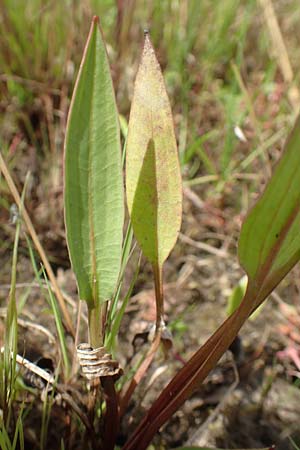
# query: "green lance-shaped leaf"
(153, 180)
(269, 243)
(93, 176)
(153, 183)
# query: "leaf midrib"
(94, 280)
(267, 266)
(277, 212)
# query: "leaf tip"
(95, 20)
(147, 40)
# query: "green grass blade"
(11, 327)
(118, 315)
(294, 444)
(126, 251)
(46, 414)
(54, 306)
(21, 432)
(94, 210)
(59, 327)
(237, 295)
(5, 443)
(153, 179)
(18, 442)
(37, 272)
(196, 148)
(269, 244)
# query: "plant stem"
(95, 326)
(159, 296)
(95, 341)
(140, 373)
(191, 375)
(111, 421)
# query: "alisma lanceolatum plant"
(269, 244)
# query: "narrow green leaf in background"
(94, 210)
(153, 180)
(237, 295)
(269, 244)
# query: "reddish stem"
(157, 271)
(189, 377)
(111, 421)
(139, 374)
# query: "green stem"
(159, 296)
(95, 326)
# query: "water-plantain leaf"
(269, 243)
(93, 176)
(153, 180)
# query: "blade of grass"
(118, 315)
(125, 257)
(11, 327)
(46, 415)
(59, 328)
(56, 312)
(126, 252)
(294, 444)
(196, 148)
(19, 433)
(4, 438)
(37, 272)
(262, 149)
(202, 180)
